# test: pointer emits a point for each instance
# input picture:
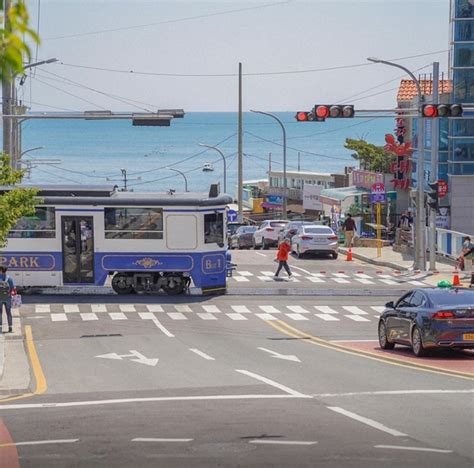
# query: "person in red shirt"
(282, 256)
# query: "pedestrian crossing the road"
(333, 278)
(186, 312)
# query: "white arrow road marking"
(202, 354)
(369, 422)
(40, 442)
(286, 357)
(139, 357)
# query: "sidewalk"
(404, 263)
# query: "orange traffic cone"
(456, 281)
(349, 255)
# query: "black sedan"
(242, 238)
(429, 318)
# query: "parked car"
(242, 238)
(291, 228)
(231, 229)
(315, 239)
(267, 233)
(429, 318)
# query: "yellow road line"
(287, 329)
(40, 379)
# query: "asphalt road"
(240, 380)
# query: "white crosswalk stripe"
(357, 318)
(340, 280)
(58, 317)
(182, 308)
(327, 317)
(236, 316)
(298, 309)
(177, 316)
(340, 275)
(315, 279)
(269, 309)
(354, 310)
(87, 316)
(378, 309)
(326, 309)
(98, 308)
(154, 308)
(127, 308)
(240, 279)
(241, 309)
(388, 281)
(42, 308)
(117, 316)
(363, 281)
(70, 308)
(244, 273)
(296, 317)
(266, 316)
(206, 316)
(265, 278)
(211, 309)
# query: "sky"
(143, 53)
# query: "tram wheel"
(174, 285)
(121, 285)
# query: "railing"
(449, 242)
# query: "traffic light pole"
(434, 167)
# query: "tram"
(137, 242)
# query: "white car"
(267, 233)
(315, 239)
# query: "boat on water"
(208, 167)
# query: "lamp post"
(419, 241)
(31, 149)
(285, 184)
(184, 177)
(223, 160)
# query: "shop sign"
(442, 188)
(401, 167)
(443, 218)
(311, 197)
(365, 179)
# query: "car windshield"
(248, 229)
(280, 224)
(451, 297)
(318, 230)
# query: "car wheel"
(383, 339)
(254, 244)
(334, 255)
(417, 343)
(264, 244)
(239, 245)
(298, 253)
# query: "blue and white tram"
(86, 235)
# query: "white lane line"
(240, 279)
(241, 309)
(326, 309)
(261, 254)
(315, 279)
(298, 309)
(357, 318)
(394, 392)
(340, 280)
(182, 308)
(117, 316)
(88, 316)
(415, 449)
(126, 401)
(177, 316)
(152, 439)
(327, 317)
(282, 442)
(265, 316)
(58, 317)
(367, 421)
(244, 273)
(236, 316)
(281, 387)
(378, 309)
(40, 442)
(269, 309)
(296, 317)
(212, 309)
(200, 353)
(98, 308)
(151, 316)
(301, 269)
(206, 316)
(127, 308)
(154, 308)
(355, 310)
(42, 308)
(363, 281)
(70, 308)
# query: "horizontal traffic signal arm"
(431, 111)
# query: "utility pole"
(269, 163)
(125, 180)
(434, 165)
(240, 182)
(7, 86)
(299, 160)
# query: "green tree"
(370, 157)
(13, 47)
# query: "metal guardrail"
(449, 243)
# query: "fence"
(449, 242)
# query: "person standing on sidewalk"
(467, 256)
(282, 256)
(349, 227)
(6, 287)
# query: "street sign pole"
(378, 213)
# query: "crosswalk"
(185, 312)
(329, 278)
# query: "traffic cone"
(456, 281)
(349, 255)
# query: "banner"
(311, 197)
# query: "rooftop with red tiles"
(407, 90)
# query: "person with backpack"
(7, 286)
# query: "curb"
(395, 266)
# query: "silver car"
(315, 239)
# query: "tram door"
(78, 249)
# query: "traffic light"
(441, 110)
(433, 196)
(324, 111)
(303, 116)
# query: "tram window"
(214, 228)
(41, 225)
(133, 223)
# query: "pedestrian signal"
(441, 110)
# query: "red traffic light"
(322, 111)
(430, 110)
(302, 116)
(441, 110)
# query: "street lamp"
(285, 185)
(31, 149)
(184, 177)
(223, 160)
(419, 241)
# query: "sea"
(95, 152)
